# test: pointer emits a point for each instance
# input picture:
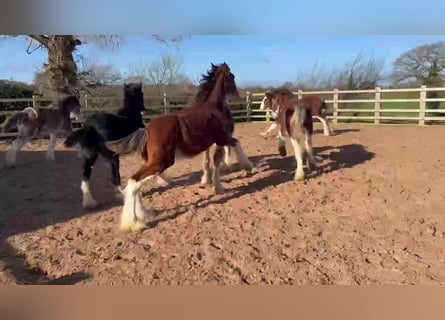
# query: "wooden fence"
(372, 106)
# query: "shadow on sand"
(344, 156)
(57, 183)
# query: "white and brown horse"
(32, 123)
(318, 108)
(294, 120)
(182, 134)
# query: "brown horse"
(182, 134)
(33, 123)
(318, 108)
(206, 86)
(295, 122)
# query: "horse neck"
(217, 95)
(64, 111)
(127, 112)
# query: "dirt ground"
(373, 213)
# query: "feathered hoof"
(217, 190)
(299, 177)
(282, 151)
(134, 226)
(89, 204)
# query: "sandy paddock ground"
(373, 213)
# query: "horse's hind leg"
(298, 152)
(113, 159)
(88, 201)
(11, 155)
(326, 129)
(51, 146)
(310, 159)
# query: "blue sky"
(254, 59)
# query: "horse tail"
(301, 122)
(134, 142)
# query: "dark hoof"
(282, 151)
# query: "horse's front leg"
(17, 144)
(206, 178)
(218, 156)
(281, 145)
(88, 201)
(51, 146)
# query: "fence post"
(335, 106)
(422, 105)
(300, 94)
(165, 103)
(248, 106)
(85, 100)
(34, 102)
(377, 105)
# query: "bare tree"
(423, 65)
(361, 73)
(92, 74)
(162, 73)
(61, 68)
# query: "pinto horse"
(294, 119)
(318, 108)
(181, 134)
(32, 123)
(102, 127)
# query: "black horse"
(102, 127)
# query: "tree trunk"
(61, 70)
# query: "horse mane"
(206, 84)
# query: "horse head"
(230, 88)
(72, 106)
(277, 98)
(133, 100)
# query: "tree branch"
(42, 39)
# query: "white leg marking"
(272, 127)
(51, 146)
(227, 156)
(299, 173)
(242, 158)
(206, 178)
(88, 201)
(326, 130)
(133, 213)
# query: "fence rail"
(414, 109)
